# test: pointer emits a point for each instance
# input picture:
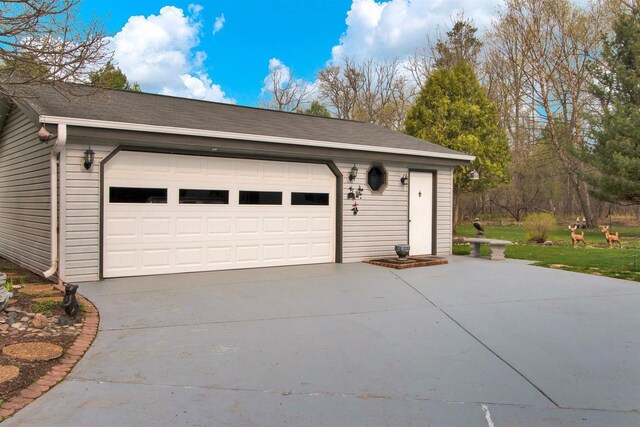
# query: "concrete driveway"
(470, 343)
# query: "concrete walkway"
(473, 343)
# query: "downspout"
(57, 146)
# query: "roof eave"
(136, 127)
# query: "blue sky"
(176, 48)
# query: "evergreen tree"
(317, 109)
(453, 110)
(615, 152)
(461, 44)
(112, 77)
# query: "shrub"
(538, 226)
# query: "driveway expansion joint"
(265, 319)
(481, 342)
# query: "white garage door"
(167, 213)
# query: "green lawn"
(596, 258)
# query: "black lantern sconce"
(405, 179)
(354, 173)
(88, 158)
(474, 175)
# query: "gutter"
(103, 124)
(57, 146)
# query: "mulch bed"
(30, 371)
(33, 295)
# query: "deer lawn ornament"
(575, 238)
(611, 238)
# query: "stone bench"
(497, 247)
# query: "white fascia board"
(71, 121)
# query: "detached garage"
(116, 184)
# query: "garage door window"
(204, 197)
(260, 197)
(310, 199)
(137, 195)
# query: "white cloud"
(160, 53)
(218, 24)
(195, 9)
(396, 28)
(281, 72)
(198, 87)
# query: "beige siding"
(382, 220)
(25, 213)
(80, 207)
(444, 214)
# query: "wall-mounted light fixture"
(88, 158)
(354, 173)
(474, 175)
(405, 179)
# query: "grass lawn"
(596, 258)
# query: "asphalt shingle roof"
(159, 110)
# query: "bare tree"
(285, 92)
(370, 91)
(43, 42)
(539, 57)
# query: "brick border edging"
(417, 262)
(68, 360)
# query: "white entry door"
(168, 213)
(421, 213)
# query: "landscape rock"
(39, 321)
(5, 295)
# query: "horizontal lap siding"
(81, 213)
(444, 212)
(381, 222)
(25, 212)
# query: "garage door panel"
(273, 225)
(155, 227)
(219, 227)
(299, 225)
(274, 170)
(122, 227)
(299, 251)
(247, 253)
(273, 253)
(219, 256)
(207, 231)
(321, 225)
(123, 259)
(246, 226)
(189, 227)
(189, 257)
(320, 250)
